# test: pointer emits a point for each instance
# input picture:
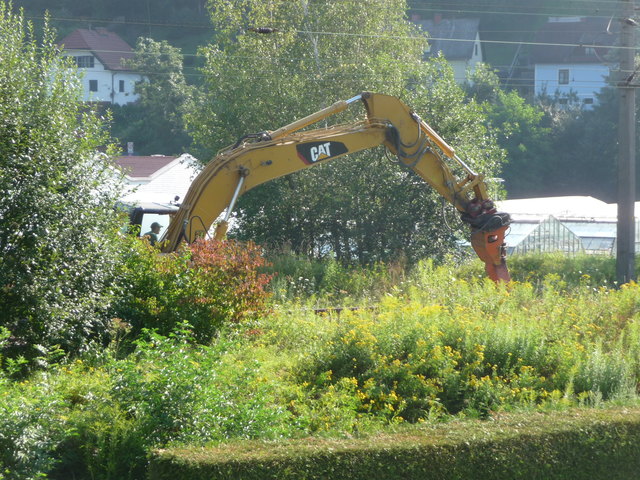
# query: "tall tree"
(57, 222)
(155, 122)
(520, 129)
(585, 149)
(363, 207)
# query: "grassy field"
(428, 346)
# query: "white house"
(157, 180)
(571, 58)
(459, 41)
(101, 55)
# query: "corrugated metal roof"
(108, 47)
(461, 31)
(562, 208)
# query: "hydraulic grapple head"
(488, 229)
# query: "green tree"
(155, 122)
(585, 147)
(363, 207)
(57, 223)
(520, 129)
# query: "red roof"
(143, 166)
(110, 49)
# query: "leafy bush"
(208, 285)
(595, 270)
(296, 277)
(449, 346)
(436, 348)
(98, 417)
(572, 445)
(58, 242)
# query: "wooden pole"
(625, 254)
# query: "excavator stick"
(491, 248)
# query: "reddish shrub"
(227, 279)
(209, 284)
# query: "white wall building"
(100, 56)
(458, 39)
(571, 58)
(157, 180)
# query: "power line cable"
(511, 13)
(148, 23)
(394, 37)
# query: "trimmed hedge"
(576, 444)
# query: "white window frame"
(85, 61)
(563, 76)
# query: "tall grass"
(442, 346)
(431, 345)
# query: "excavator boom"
(258, 158)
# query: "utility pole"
(625, 254)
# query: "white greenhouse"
(571, 224)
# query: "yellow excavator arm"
(258, 158)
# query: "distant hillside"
(507, 26)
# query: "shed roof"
(108, 47)
(158, 178)
(562, 208)
(144, 167)
(453, 37)
(574, 40)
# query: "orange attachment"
(490, 247)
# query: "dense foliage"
(562, 153)
(435, 348)
(196, 352)
(520, 128)
(585, 148)
(57, 222)
(208, 285)
(567, 445)
(162, 19)
(155, 122)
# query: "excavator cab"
(143, 214)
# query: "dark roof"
(143, 166)
(462, 31)
(107, 46)
(587, 40)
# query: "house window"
(475, 49)
(588, 101)
(563, 76)
(121, 86)
(93, 85)
(84, 61)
